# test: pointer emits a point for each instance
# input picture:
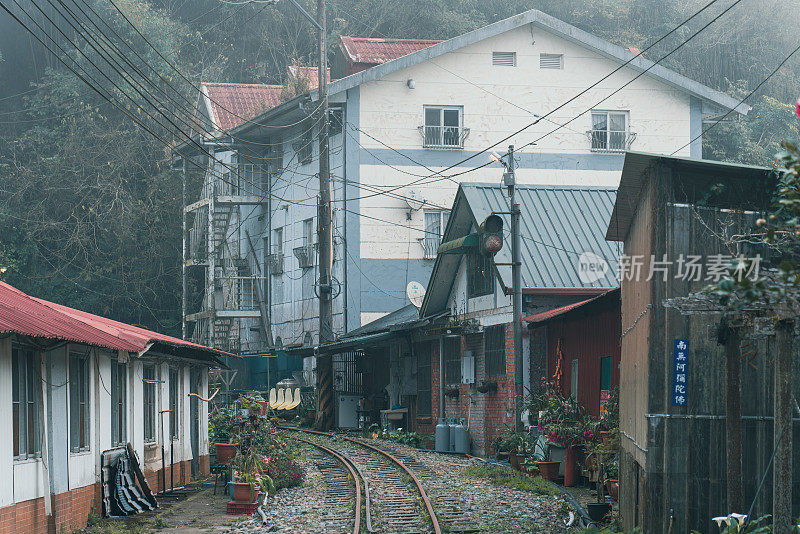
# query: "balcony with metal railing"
(443, 137)
(609, 141)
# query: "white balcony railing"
(443, 137)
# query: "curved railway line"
(396, 499)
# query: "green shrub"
(508, 478)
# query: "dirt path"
(199, 511)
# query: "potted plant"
(548, 468)
(250, 476)
(487, 386)
(221, 424)
(605, 458)
(511, 445)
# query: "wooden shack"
(669, 211)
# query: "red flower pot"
(549, 470)
(570, 456)
(612, 486)
(225, 451)
(241, 492)
(517, 460)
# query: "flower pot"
(570, 456)
(549, 470)
(612, 486)
(518, 460)
(241, 492)
(225, 451)
(598, 510)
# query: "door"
(194, 415)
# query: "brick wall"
(486, 413)
(71, 509)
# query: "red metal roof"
(30, 316)
(546, 315)
(376, 51)
(233, 103)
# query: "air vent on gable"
(551, 61)
(504, 59)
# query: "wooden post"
(733, 419)
(782, 470)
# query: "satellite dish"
(416, 293)
(414, 200)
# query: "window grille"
(149, 402)
(174, 385)
(435, 224)
(480, 275)
(551, 61)
(79, 402)
(119, 390)
(424, 401)
(609, 131)
(443, 127)
(452, 360)
(494, 350)
(26, 398)
(504, 59)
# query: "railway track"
(397, 502)
(343, 487)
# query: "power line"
(751, 93)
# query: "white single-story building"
(73, 385)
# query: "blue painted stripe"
(353, 155)
(390, 276)
(529, 160)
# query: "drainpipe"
(344, 218)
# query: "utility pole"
(510, 181)
(325, 231)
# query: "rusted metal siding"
(586, 334)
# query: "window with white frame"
(79, 418)
(435, 224)
(443, 127)
(149, 401)
(119, 390)
(308, 232)
(277, 241)
(609, 131)
(26, 399)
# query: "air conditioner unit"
(305, 255)
(468, 368)
(275, 263)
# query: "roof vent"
(551, 61)
(504, 59)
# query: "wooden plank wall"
(686, 460)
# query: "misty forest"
(90, 211)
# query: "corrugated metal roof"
(557, 225)
(231, 104)
(635, 175)
(377, 51)
(30, 316)
(406, 314)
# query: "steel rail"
(420, 489)
(356, 479)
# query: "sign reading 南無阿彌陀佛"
(680, 368)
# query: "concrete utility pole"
(510, 180)
(325, 230)
(324, 223)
